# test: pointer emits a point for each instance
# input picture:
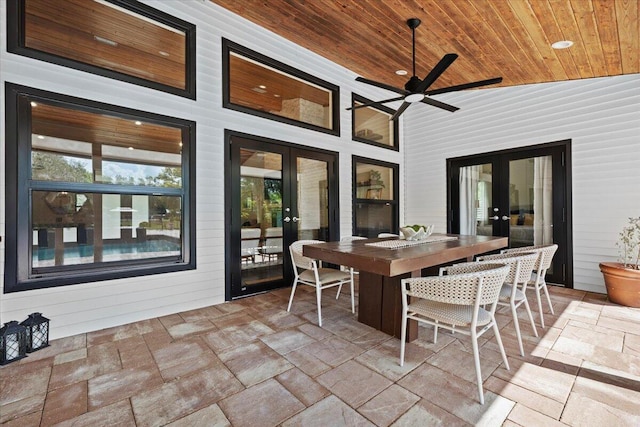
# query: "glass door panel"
(312, 220)
(477, 213)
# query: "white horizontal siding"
(600, 116)
(91, 306)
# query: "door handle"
(295, 219)
(286, 219)
(505, 218)
(495, 218)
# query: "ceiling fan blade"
(403, 107)
(440, 104)
(381, 85)
(464, 86)
(436, 71)
(379, 103)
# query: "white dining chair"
(308, 271)
(545, 256)
(457, 302)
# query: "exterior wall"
(91, 306)
(600, 116)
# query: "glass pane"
(373, 125)
(531, 201)
(261, 247)
(374, 182)
(476, 200)
(372, 219)
(81, 228)
(260, 87)
(313, 199)
(107, 36)
(78, 146)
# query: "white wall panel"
(91, 306)
(600, 116)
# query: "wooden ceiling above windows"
(509, 38)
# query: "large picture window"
(258, 85)
(120, 39)
(375, 197)
(94, 191)
(373, 125)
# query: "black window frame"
(384, 109)
(18, 200)
(228, 46)
(395, 221)
(16, 44)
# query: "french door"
(523, 194)
(277, 193)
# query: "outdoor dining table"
(383, 263)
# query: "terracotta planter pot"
(623, 284)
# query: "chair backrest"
(388, 235)
(299, 260)
(352, 238)
(461, 288)
(250, 238)
(546, 254)
(521, 264)
(273, 240)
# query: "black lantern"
(13, 342)
(37, 332)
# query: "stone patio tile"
(114, 386)
(285, 341)
(278, 318)
(205, 313)
(346, 327)
(562, 362)
(539, 403)
(101, 359)
(70, 356)
(371, 339)
(333, 351)
(22, 382)
(539, 379)
(56, 347)
(599, 355)
(457, 396)
(457, 361)
(265, 404)
(235, 319)
(303, 387)
(118, 414)
(231, 307)
(134, 353)
(425, 413)
(632, 344)
(307, 363)
(330, 411)
(184, 357)
(385, 358)
(64, 403)
(523, 415)
(621, 313)
(597, 336)
(123, 332)
(185, 329)
(184, 396)
(30, 420)
(171, 320)
(211, 416)
(314, 331)
(23, 408)
(254, 362)
(600, 404)
(353, 383)
(387, 406)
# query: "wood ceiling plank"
(627, 18)
(605, 17)
(585, 17)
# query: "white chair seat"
(326, 275)
(453, 314)
(505, 294)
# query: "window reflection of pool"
(82, 254)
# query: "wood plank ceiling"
(508, 38)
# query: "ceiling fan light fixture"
(562, 44)
(414, 97)
(401, 72)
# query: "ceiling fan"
(415, 90)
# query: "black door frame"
(289, 152)
(562, 218)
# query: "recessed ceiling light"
(401, 72)
(130, 148)
(34, 104)
(138, 122)
(262, 87)
(40, 137)
(562, 44)
(276, 95)
(105, 41)
(258, 89)
(163, 53)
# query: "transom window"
(258, 85)
(102, 191)
(373, 125)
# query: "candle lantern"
(37, 332)
(13, 342)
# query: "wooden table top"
(393, 262)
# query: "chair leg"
(546, 292)
(517, 326)
(540, 306)
(339, 289)
(533, 325)
(318, 299)
(496, 332)
(403, 336)
(435, 333)
(293, 291)
(476, 359)
(353, 299)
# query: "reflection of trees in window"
(55, 167)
